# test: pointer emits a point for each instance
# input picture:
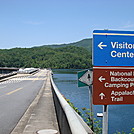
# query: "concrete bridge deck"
(41, 113)
(50, 111)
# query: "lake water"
(121, 117)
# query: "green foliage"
(86, 115)
(120, 132)
(44, 57)
(85, 43)
(94, 124)
(132, 132)
(75, 108)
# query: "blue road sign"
(113, 48)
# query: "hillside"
(86, 43)
(44, 57)
(72, 55)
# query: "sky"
(29, 23)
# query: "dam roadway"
(16, 95)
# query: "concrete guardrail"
(27, 70)
(69, 121)
(3, 76)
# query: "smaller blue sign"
(113, 48)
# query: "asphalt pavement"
(26, 104)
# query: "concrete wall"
(6, 70)
(69, 121)
(3, 76)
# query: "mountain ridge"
(86, 43)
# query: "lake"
(121, 117)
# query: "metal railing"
(69, 121)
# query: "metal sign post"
(85, 78)
(105, 120)
(91, 106)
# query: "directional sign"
(113, 85)
(84, 78)
(113, 48)
(102, 96)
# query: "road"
(16, 95)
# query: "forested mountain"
(86, 43)
(46, 57)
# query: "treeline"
(45, 57)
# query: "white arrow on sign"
(101, 45)
(102, 95)
(86, 78)
(101, 78)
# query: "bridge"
(5, 70)
(32, 104)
